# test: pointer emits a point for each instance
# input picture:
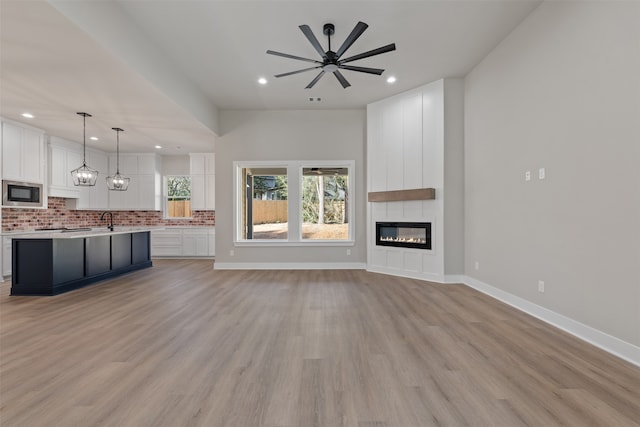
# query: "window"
(325, 206)
(293, 202)
(178, 196)
(264, 205)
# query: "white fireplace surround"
(415, 140)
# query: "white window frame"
(294, 198)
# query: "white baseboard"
(606, 342)
(431, 277)
(454, 278)
(289, 266)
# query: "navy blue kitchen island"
(54, 263)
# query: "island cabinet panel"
(61, 261)
(28, 277)
(140, 248)
(55, 265)
(68, 260)
(98, 250)
(120, 251)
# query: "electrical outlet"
(231, 252)
(477, 266)
(541, 286)
(541, 173)
(348, 251)
(527, 176)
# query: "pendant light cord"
(118, 152)
(84, 139)
(118, 130)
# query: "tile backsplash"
(57, 215)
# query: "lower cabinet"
(183, 242)
(195, 243)
(6, 256)
(98, 250)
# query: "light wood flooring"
(181, 344)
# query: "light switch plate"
(527, 176)
(541, 173)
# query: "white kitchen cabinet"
(149, 195)
(99, 195)
(96, 197)
(202, 163)
(202, 168)
(183, 242)
(64, 156)
(126, 200)
(195, 242)
(145, 185)
(166, 242)
(212, 242)
(128, 164)
(6, 256)
(23, 153)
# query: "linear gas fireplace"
(415, 235)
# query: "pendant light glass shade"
(118, 182)
(84, 176)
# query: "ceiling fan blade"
(296, 72)
(355, 33)
(286, 55)
(315, 80)
(345, 84)
(377, 71)
(378, 51)
(313, 40)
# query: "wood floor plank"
(181, 344)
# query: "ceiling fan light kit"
(331, 61)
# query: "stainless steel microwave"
(22, 194)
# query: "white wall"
(288, 135)
(561, 92)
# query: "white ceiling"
(154, 68)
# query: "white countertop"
(98, 231)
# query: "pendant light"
(117, 182)
(84, 176)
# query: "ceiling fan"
(331, 62)
(325, 171)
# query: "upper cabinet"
(64, 156)
(203, 181)
(145, 185)
(23, 153)
(96, 197)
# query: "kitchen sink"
(72, 230)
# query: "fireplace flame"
(417, 240)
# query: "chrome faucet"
(110, 227)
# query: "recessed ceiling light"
(391, 79)
(28, 115)
(93, 138)
(262, 81)
(158, 146)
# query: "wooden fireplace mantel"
(402, 195)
